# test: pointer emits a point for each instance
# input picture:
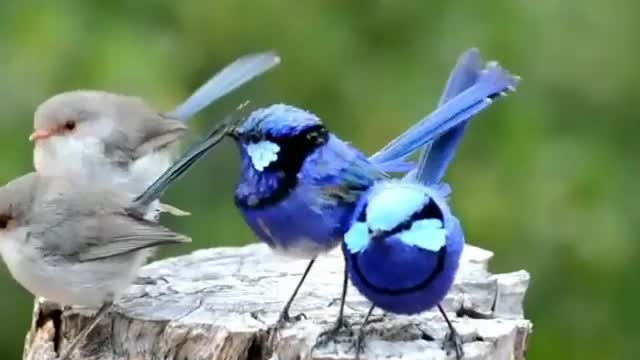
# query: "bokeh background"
(545, 178)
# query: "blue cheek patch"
(425, 234)
(393, 205)
(263, 153)
(357, 238)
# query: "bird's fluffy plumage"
(298, 182)
(405, 264)
(404, 245)
(121, 140)
(299, 186)
(82, 243)
(304, 216)
(72, 242)
(117, 140)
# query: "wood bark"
(223, 303)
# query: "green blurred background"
(545, 178)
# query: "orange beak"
(40, 135)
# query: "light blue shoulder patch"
(393, 205)
(357, 238)
(263, 153)
(426, 234)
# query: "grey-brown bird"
(78, 243)
(121, 140)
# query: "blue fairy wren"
(404, 244)
(300, 183)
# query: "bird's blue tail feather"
(437, 156)
(397, 166)
(493, 82)
(225, 81)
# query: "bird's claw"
(298, 317)
(285, 318)
(333, 302)
(331, 333)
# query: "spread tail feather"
(234, 75)
(492, 83)
(435, 157)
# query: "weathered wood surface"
(222, 304)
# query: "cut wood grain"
(222, 303)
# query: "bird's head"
(16, 201)
(84, 114)
(279, 136)
(414, 213)
(84, 125)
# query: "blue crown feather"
(279, 120)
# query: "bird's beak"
(40, 135)
(234, 133)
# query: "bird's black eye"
(70, 125)
(4, 220)
(253, 138)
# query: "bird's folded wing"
(343, 172)
(120, 234)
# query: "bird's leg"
(104, 309)
(333, 331)
(284, 314)
(453, 338)
(360, 335)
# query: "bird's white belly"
(85, 284)
(86, 160)
(68, 156)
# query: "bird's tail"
(463, 76)
(175, 171)
(437, 156)
(234, 75)
(397, 166)
(492, 83)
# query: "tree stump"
(222, 303)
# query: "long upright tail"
(492, 83)
(231, 77)
(436, 157)
(155, 190)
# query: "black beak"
(181, 166)
(231, 125)
(233, 133)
